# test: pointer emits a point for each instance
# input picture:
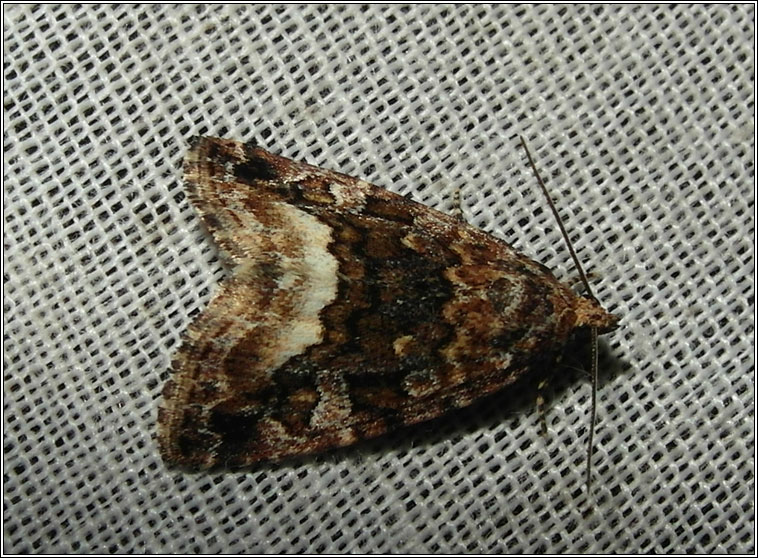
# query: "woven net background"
(641, 119)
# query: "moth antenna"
(593, 331)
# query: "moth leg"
(457, 211)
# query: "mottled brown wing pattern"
(349, 311)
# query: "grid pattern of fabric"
(641, 119)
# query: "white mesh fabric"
(641, 119)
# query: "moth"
(349, 311)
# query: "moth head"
(589, 314)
